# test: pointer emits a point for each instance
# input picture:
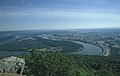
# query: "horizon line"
(59, 29)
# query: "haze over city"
(58, 14)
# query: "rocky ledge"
(12, 65)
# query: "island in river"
(9, 44)
(89, 49)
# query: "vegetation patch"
(57, 64)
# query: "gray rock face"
(12, 65)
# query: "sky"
(58, 14)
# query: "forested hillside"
(56, 64)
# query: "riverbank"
(11, 53)
(87, 49)
(105, 49)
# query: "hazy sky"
(58, 14)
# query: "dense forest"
(115, 52)
(58, 64)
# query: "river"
(10, 53)
(89, 49)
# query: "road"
(106, 50)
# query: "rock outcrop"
(12, 65)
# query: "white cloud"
(44, 12)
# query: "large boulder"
(12, 65)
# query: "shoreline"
(105, 49)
